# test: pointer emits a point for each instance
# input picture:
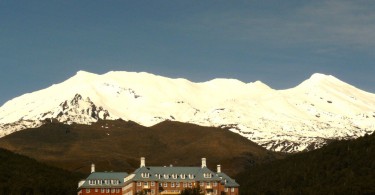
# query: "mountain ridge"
(118, 145)
(290, 120)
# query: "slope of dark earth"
(342, 167)
(118, 145)
(22, 175)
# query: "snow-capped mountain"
(301, 118)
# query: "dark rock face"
(78, 110)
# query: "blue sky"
(278, 42)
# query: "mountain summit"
(297, 119)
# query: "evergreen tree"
(192, 191)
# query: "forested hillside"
(23, 176)
(342, 167)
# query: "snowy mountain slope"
(296, 119)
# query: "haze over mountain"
(301, 118)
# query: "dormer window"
(145, 175)
(174, 176)
(207, 175)
(100, 182)
(182, 176)
(166, 176)
(191, 176)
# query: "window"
(113, 191)
(152, 191)
(139, 183)
(87, 190)
(215, 191)
(190, 185)
(100, 182)
(117, 190)
(106, 181)
(191, 176)
(226, 190)
(160, 184)
(165, 184)
(185, 184)
(178, 184)
(232, 189)
(145, 175)
(182, 176)
(201, 184)
(172, 184)
(145, 184)
(96, 189)
(215, 184)
(107, 190)
(102, 190)
(152, 183)
(166, 176)
(208, 184)
(174, 176)
(207, 175)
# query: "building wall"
(128, 189)
(150, 186)
(97, 191)
(133, 187)
(236, 192)
(229, 191)
(167, 186)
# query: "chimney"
(204, 162)
(92, 167)
(143, 162)
(218, 168)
